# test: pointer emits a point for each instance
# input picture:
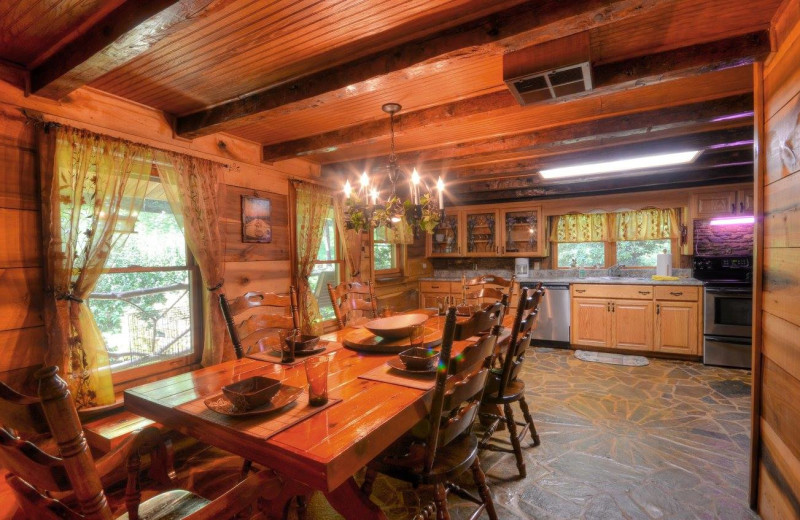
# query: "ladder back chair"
(449, 447)
(503, 386)
(482, 321)
(245, 335)
(489, 286)
(353, 296)
(35, 476)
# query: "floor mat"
(611, 359)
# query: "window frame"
(339, 261)
(398, 256)
(610, 257)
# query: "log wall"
(776, 475)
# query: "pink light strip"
(732, 221)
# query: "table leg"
(350, 502)
(278, 508)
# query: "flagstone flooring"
(664, 441)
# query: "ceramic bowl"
(418, 358)
(304, 342)
(251, 392)
(395, 327)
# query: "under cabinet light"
(637, 163)
(732, 221)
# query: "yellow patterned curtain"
(351, 241)
(581, 227)
(193, 189)
(312, 204)
(93, 188)
(400, 233)
(646, 224)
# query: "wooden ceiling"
(307, 79)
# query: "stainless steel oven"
(728, 310)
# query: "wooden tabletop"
(320, 452)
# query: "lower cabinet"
(637, 317)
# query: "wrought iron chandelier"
(420, 211)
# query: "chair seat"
(169, 505)
(406, 464)
(513, 392)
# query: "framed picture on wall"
(256, 224)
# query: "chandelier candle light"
(421, 211)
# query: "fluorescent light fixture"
(637, 163)
(731, 221)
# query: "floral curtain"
(351, 241)
(400, 233)
(93, 188)
(581, 227)
(312, 204)
(193, 189)
(646, 224)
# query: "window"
(384, 258)
(641, 253)
(327, 268)
(142, 303)
(581, 254)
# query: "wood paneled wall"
(248, 266)
(777, 366)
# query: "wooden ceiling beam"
(128, 31)
(674, 179)
(520, 26)
(609, 78)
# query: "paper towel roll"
(664, 264)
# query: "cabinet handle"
(580, 290)
(434, 286)
(644, 292)
(733, 208)
(608, 306)
(658, 309)
(613, 307)
(679, 293)
(741, 207)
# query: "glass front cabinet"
(445, 239)
(523, 232)
(481, 232)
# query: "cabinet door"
(481, 233)
(744, 202)
(677, 327)
(522, 232)
(590, 322)
(445, 239)
(428, 300)
(708, 205)
(632, 324)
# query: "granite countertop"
(614, 280)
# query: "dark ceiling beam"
(526, 24)
(125, 33)
(609, 78)
(725, 140)
(669, 180)
(14, 74)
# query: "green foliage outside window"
(581, 254)
(640, 253)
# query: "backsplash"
(551, 274)
(727, 240)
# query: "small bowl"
(418, 358)
(251, 392)
(303, 343)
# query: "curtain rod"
(38, 120)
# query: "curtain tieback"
(216, 287)
(68, 296)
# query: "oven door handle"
(745, 292)
(734, 341)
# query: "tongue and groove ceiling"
(308, 78)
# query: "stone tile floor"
(664, 441)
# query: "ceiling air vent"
(554, 69)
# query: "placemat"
(265, 425)
(385, 374)
(332, 346)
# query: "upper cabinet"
(514, 230)
(722, 204)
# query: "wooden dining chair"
(353, 296)
(35, 476)
(447, 447)
(489, 286)
(504, 387)
(280, 312)
(482, 321)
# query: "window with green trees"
(142, 302)
(641, 253)
(384, 256)
(327, 268)
(581, 254)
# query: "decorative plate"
(398, 365)
(285, 396)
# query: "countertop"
(613, 280)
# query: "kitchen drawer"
(435, 287)
(628, 292)
(683, 293)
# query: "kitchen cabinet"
(446, 238)
(522, 232)
(722, 204)
(663, 319)
(481, 232)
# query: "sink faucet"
(615, 270)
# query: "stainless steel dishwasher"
(552, 326)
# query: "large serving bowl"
(395, 327)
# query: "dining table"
(323, 450)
